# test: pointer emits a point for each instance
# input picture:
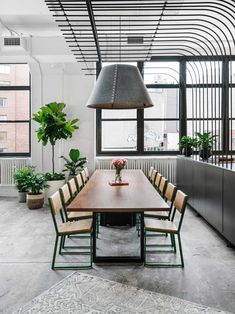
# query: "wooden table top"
(98, 196)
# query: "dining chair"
(169, 227)
(73, 188)
(66, 199)
(79, 182)
(153, 176)
(150, 172)
(168, 191)
(157, 181)
(66, 229)
(87, 173)
(84, 178)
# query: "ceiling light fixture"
(119, 86)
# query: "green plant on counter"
(188, 141)
(205, 140)
(54, 126)
(75, 163)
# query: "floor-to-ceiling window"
(190, 95)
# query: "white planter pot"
(35, 201)
(53, 186)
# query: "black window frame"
(18, 88)
(183, 119)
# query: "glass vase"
(118, 177)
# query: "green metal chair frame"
(180, 206)
(56, 208)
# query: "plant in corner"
(36, 184)
(75, 163)
(205, 142)
(53, 127)
(20, 177)
(187, 143)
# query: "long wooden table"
(99, 197)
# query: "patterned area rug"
(82, 293)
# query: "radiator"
(7, 168)
(165, 165)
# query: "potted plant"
(21, 181)
(36, 184)
(75, 163)
(187, 143)
(205, 142)
(53, 127)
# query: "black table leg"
(94, 235)
(142, 237)
(119, 259)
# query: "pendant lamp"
(119, 86)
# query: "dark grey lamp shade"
(119, 86)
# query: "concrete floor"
(26, 243)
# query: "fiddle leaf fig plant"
(54, 126)
(75, 163)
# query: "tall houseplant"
(75, 163)
(205, 143)
(53, 127)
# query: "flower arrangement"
(119, 164)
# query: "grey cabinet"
(229, 206)
(211, 191)
(213, 196)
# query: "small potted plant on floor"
(21, 181)
(53, 127)
(205, 142)
(75, 164)
(36, 185)
(187, 143)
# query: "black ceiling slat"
(207, 27)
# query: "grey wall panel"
(180, 166)
(214, 196)
(199, 187)
(229, 206)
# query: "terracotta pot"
(53, 186)
(35, 201)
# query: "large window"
(146, 131)
(190, 95)
(14, 110)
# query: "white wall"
(64, 82)
(67, 83)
